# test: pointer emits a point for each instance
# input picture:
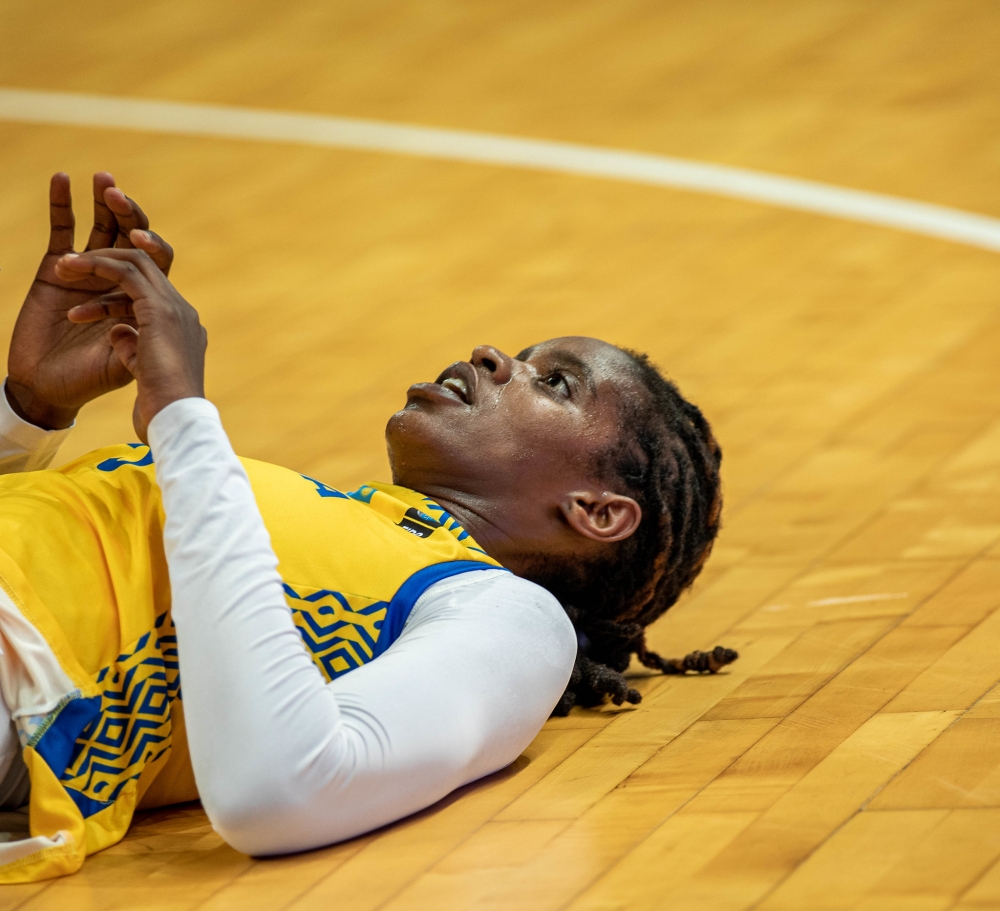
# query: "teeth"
(455, 384)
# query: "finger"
(133, 270)
(105, 229)
(61, 219)
(130, 269)
(110, 306)
(158, 249)
(128, 215)
(125, 340)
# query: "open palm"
(56, 366)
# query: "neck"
(490, 524)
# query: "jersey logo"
(419, 523)
(142, 461)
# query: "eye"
(556, 381)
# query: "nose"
(499, 365)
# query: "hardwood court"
(851, 758)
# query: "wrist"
(28, 407)
(158, 399)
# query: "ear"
(605, 517)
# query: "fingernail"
(144, 234)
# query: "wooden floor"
(851, 758)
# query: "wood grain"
(851, 758)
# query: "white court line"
(849, 599)
(857, 599)
(32, 106)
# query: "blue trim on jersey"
(324, 490)
(411, 590)
(56, 745)
(87, 805)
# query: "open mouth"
(458, 386)
(459, 380)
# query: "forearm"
(23, 446)
(248, 684)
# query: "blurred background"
(330, 280)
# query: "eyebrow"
(569, 359)
(581, 366)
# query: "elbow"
(253, 813)
(264, 814)
(267, 802)
(239, 824)
(245, 839)
(251, 827)
(263, 830)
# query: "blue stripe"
(56, 745)
(411, 590)
(87, 805)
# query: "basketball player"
(312, 663)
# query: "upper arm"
(474, 675)
(482, 660)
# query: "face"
(514, 432)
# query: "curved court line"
(33, 106)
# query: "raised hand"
(56, 366)
(155, 333)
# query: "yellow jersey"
(81, 557)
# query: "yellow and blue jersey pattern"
(122, 730)
(81, 553)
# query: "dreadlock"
(668, 461)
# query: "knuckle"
(137, 212)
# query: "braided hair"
(667, 459)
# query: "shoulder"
(494, 609)
(494, 595)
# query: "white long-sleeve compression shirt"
(283, 760)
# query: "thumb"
(125, 340)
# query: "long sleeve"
(23, 446)
(285, 761)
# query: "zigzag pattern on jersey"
(133, 726)
(339, 630)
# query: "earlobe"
(605, 517)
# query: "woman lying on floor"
(544, 509)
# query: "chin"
(413, 444)
(410, 427)
(426, 447)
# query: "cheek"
(541, 437)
